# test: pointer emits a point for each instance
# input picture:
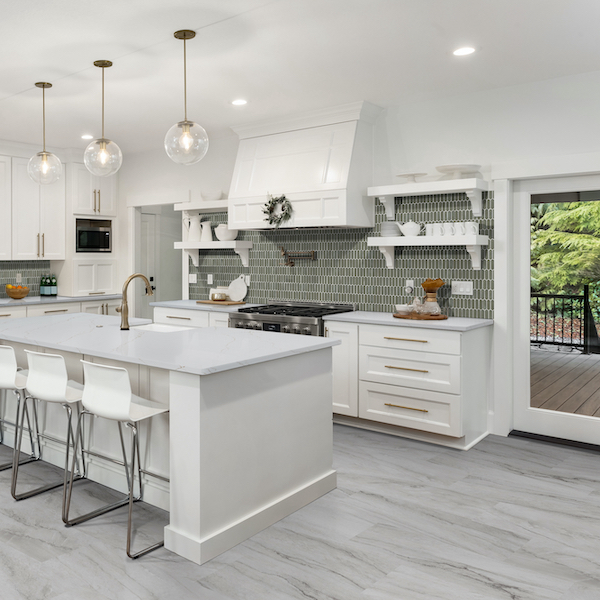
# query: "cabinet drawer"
(218, 319)
(423, 370)
(410, 338)
(181, 316)
(13, 312)
(417, 409)
(53, 309)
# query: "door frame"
(513, 185)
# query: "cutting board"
(221, 302)
(417, 317)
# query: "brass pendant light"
(103, 157)
(44, 167)
(186, 142)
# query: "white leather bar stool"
(47, 381)
(15, 380)
(107, 394)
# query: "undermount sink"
(159, 327)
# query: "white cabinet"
(345, 367)
(91, 277)
(100, 307)
(5, 209)
(91, 195)
(181, 316)
(57, 308)
(218, 319)
(38, 216)
(13, 312)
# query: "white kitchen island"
(249, 433)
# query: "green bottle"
(42, 286)
(54, 285)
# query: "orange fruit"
(18, 287)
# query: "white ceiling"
(283, 56)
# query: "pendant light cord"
(44, 117)
(184, 82)
(102, 102)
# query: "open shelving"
(241, 248)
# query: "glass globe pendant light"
(186, 142)
(103, 157)
(44, 167)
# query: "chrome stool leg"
(32, 456)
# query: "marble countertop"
(192, 305)
(380, 318)
(197, 350)
(32, 300)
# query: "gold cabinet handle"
(405, 369)
(182, 318)
(56, 311)
(406, 407)
(94, 200)
(38, 252)
(43, 245)
(96, 293)
(98, 200)
(406, 340)
(6, 315)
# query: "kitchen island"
(249, 433)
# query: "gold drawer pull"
(182, 318)
(96, 293)
(405, 369)
(6, 315)
(407, 407)
(57, 310)
(407, 340)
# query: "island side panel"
(261, 436)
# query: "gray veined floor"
(510, 519)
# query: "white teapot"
(410, 228)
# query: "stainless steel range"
(304, 318)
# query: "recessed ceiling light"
(239, 102)
(463, 51)
(87, 136)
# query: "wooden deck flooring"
(565, 381)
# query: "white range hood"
(322, 162)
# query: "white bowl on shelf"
(224, 234)
(459, 171)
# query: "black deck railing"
(562, 320)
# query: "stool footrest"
(9, 465)
(97, 513)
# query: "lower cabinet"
(428, 381)
(181, 316)
(13, 312)
(107, 307)
(53, 309)
(218, 319)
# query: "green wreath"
(277, 210)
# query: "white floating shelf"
(472, 187)
(472, 243)
(203, 206)
(241, 248)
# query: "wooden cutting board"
(221, 302)
(417, 317)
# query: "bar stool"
(15, 380)
(48, 381)
(107, 394)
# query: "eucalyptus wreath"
(278, 210)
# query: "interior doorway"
(557, 374)
(159, 227)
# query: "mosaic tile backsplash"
(347, 270)
(31, 273)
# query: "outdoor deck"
(565, 381)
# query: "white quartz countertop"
(192, 305)
(379, 318)
(197, 350)
(32, 300)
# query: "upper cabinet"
(91, 195)
(5, 209)
(38, 216)
(323, 164)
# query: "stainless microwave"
(92, 235)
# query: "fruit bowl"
(17, 293)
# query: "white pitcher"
(192, 222)
(206, 232)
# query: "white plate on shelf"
(237, 289)
(458, 171)
(411, 177)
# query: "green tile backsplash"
(347, 270)
(31, 273)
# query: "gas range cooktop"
(304, 318)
